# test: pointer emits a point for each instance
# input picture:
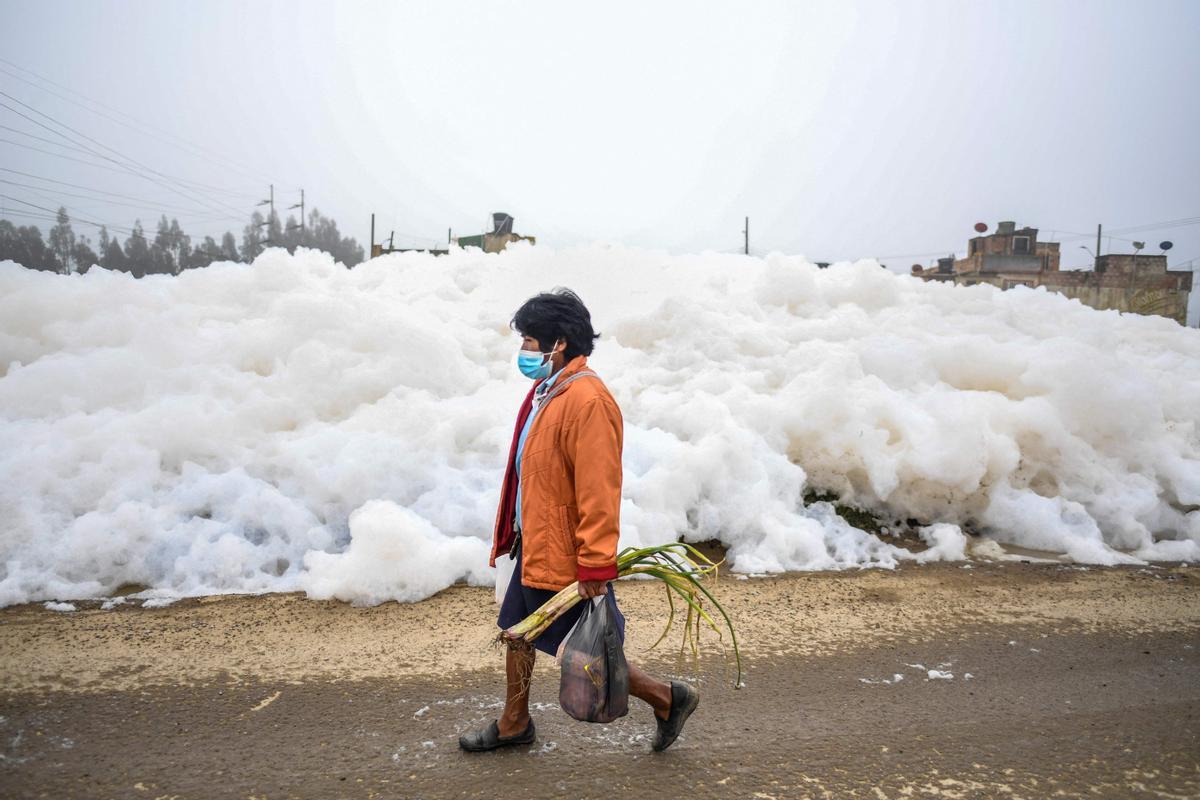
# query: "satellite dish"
(981, 227)
(1139, 245)
(1165, 246)
(917, 269)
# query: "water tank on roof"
(1006, 227)
(501, 223)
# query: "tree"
(252, 238)
(292, 235)
(162, 256)
(171, 250)
(62, 241)
(138, 260)
(83, 255)
(181, 245)
(24, 245)
(229, 250)
(323, 234)
(112, 257)
(205, 253)
(274, 231)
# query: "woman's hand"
(592, 588)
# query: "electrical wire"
(91, 189)
(61, 155)
(54, 216)
(145, 205)
(132, 122)
(128, 168)
(59, 144)
(1149, 226)
(43, 139)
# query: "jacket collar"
(573, 366)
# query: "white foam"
(946, 543)
(293, 425)
(393, 554)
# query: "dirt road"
(938, 681)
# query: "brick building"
(1010, 257)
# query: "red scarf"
(504, 536)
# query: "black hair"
(555, 315)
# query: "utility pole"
(449, 235)
(270, 201)
(1096, 263)
(746, 233)
(300, 206)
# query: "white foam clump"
(394, 554)
(55, 606)
(946, 543)
(216, 431)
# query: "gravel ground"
(997, 680)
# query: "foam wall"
(294, 425)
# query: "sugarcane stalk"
(678, 565)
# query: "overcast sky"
(842, 129)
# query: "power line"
(54, 216)
(1076, 236)
(61, 155)
(930, 254)
(100, 144)
(12, 212)
(1174, 223)
(54, 212)
(124, 171)
(130, 121)
(44, 192)
(1149, 226)
(91, 189)
(146, 205)
(43, 139)
(55, 144)
(123, 168)
(124, 229)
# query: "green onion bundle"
(678, 565)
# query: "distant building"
(499, 238)
(495, 241)
(379, 250)
(1141, 284)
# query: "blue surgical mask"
(535, 365)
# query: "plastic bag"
(594, 686)
(505, 567)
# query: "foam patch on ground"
(219, 430)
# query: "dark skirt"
(520, 601)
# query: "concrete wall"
(1127, 263)
(1143, 292)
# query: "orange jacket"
(570, 484)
